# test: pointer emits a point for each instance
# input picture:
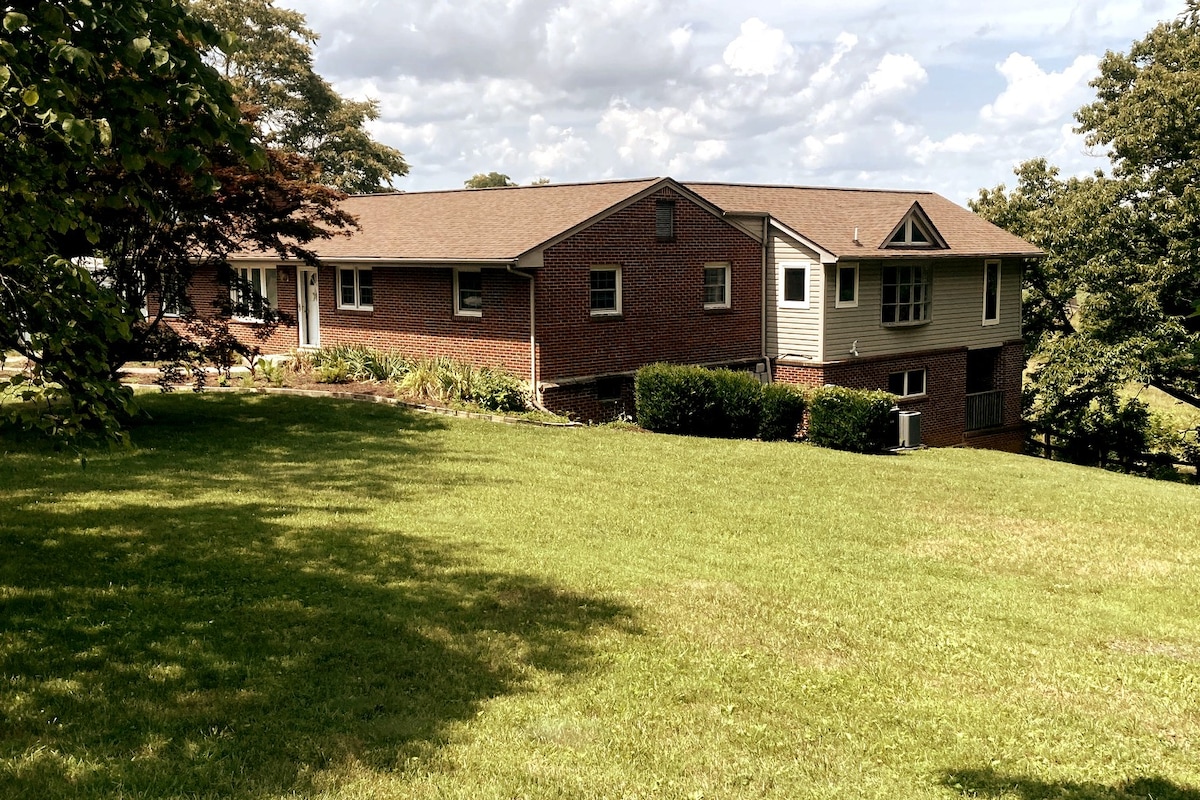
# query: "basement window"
(907, 384)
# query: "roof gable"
(856, 223)
(915, 230)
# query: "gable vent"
(664, 220)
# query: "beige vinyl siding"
(956, 313)
(793, 331)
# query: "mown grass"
(274, 597)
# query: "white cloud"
(861, 92)
(1038, 97)
(555, 150)
(927, 150)
(759, 50)
(895, 77)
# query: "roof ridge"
(808, 188)
(465, 189)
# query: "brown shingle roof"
(829, 217)
(505, 223)
(472, 224)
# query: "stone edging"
(364, 397)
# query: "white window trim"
(999, 270)
(261, 288)
(784, 266)
(356, 306)
(459, 311)
(605, 312)
(838, 302)
(728, 288)
(907, 227)
(924, 383)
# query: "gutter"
(533, 375)
(763, 292)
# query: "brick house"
(575, 286)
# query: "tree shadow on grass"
(989, 783)
(183, 620)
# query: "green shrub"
(850, 419)
(498, 391)
(273, 372)
(782, 412)
(738, 406)
(332, 372)
(671, 398)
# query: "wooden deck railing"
(985, 410)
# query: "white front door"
(308, 311)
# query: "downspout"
(533, 376)
(763, 287)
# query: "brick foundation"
(943, 407)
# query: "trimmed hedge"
(850, 419)
(671, 398)
(782, 412)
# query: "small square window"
(793, 285)
(716, 286)
(907, 384)
(605, 290)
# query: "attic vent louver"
(664, 220)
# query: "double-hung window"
(254, 290)
(991, 292)
(906, 294)
(175, 301)
(716, 285)
(468, 293)
(908, 383)
(356, 289)
(605, 292)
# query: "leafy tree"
(90, 87)
(270, 66)
(117, 140)
(488, 181)
(1120, 285)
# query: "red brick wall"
(943, 408)
(414, 314)
(206, 292)
(580, 403)
(663, 316)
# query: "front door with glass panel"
(308, 313)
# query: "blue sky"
(943, 95)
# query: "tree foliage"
(90, 89)
(1120, 284)
(270, 65)
(119, 141)
(488, 180)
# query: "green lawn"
(272, 597)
